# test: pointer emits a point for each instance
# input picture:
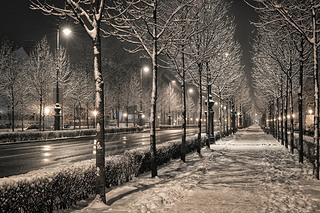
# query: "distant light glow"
(46, 111)
(190, 90)
(66, 31)
(146, 69)
(95, 113)
(310, 111)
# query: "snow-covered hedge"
(38, 135)
(308, 147)
(176, 126)
(46, 190)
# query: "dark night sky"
(19, 23)
(244, 32)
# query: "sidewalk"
(246, 172)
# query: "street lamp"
(46, 113)
(125, 116)
(57, 108)
(143, 69)
(95, 113)
(67, 31)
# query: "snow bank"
(247, 172)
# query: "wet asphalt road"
(20, 158)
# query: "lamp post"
(188, 117)
(141, 116)
(57, 108)
(209, 117)
(169, 114)
(95, 113)
(125, 116)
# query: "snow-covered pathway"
(247, 172)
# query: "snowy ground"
(247, 172)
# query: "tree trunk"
(200, 109)
(286, 116)
(300, 101)
(127, 117)
(22, 115)
(79, 116)
(208, 123)
(100, 146)
(227, 117)
(277, 117)
(40, 114)
(12, 109)
(233, 118)
(184, 112)
(316, 92)
(271, 119)
(220, 116)
(153, 148)
(74, 116)
(224, 118)
(118, 114)
(291, 118)
(87, 115)
(281, 113)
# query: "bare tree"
(147, 25)
(303, 18)
(10, 76)
(89, 15)
(207, 44)
(63, 77)
(40, 74)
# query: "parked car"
(33, 127)
(67, 126)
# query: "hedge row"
(38, 135)
(176, 126)
(46, 190)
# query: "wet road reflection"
(19, 158)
